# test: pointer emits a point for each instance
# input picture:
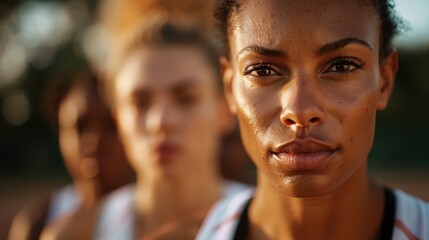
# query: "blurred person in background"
(93, 156)
(165, 91)
(234, 162)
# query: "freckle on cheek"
(351, 139)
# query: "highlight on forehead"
(391, 24)
(333, 46)
(324, 49)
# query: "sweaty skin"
(305, 80)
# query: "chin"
(160, 172)
(169, 172)
(306, 186)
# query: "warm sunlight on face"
(305, 82)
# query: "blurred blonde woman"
(165, 91)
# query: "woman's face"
(88, 140)
(305, 80)
(169, 111)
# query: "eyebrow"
(262, 51)
(183, 84)
(334, 46)
(329, 47)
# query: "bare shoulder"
(29, 221)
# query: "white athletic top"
(63, 201)
(411, 220)
(116, 219)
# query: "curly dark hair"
(391, 23)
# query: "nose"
(160, 118)
(301, 106)
(90, 142)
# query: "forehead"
(161, 67)
(316, 22)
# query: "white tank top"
(63, 201)
(411, 221)
(116, 219)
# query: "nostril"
(289, 122)
(315, 120)
(301, 121)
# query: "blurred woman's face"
(305, 81)
(169, 111)
(88, 140)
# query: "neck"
(353, 210)
(89, 191)
(161, 200)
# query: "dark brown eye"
(141, 103)
(343, 65)
(260, 70)
(187, 99)
(263, 72)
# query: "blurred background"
(46, 40)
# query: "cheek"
(200, 127)
(355, 115)
(352, 104)
(257, 112)
(130, 135)
(127, 123)
(360, 124)
(69, 142)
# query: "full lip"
(304, 154)
(166, 151)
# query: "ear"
(388, 70)
(228, 75)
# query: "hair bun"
(118, 15)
